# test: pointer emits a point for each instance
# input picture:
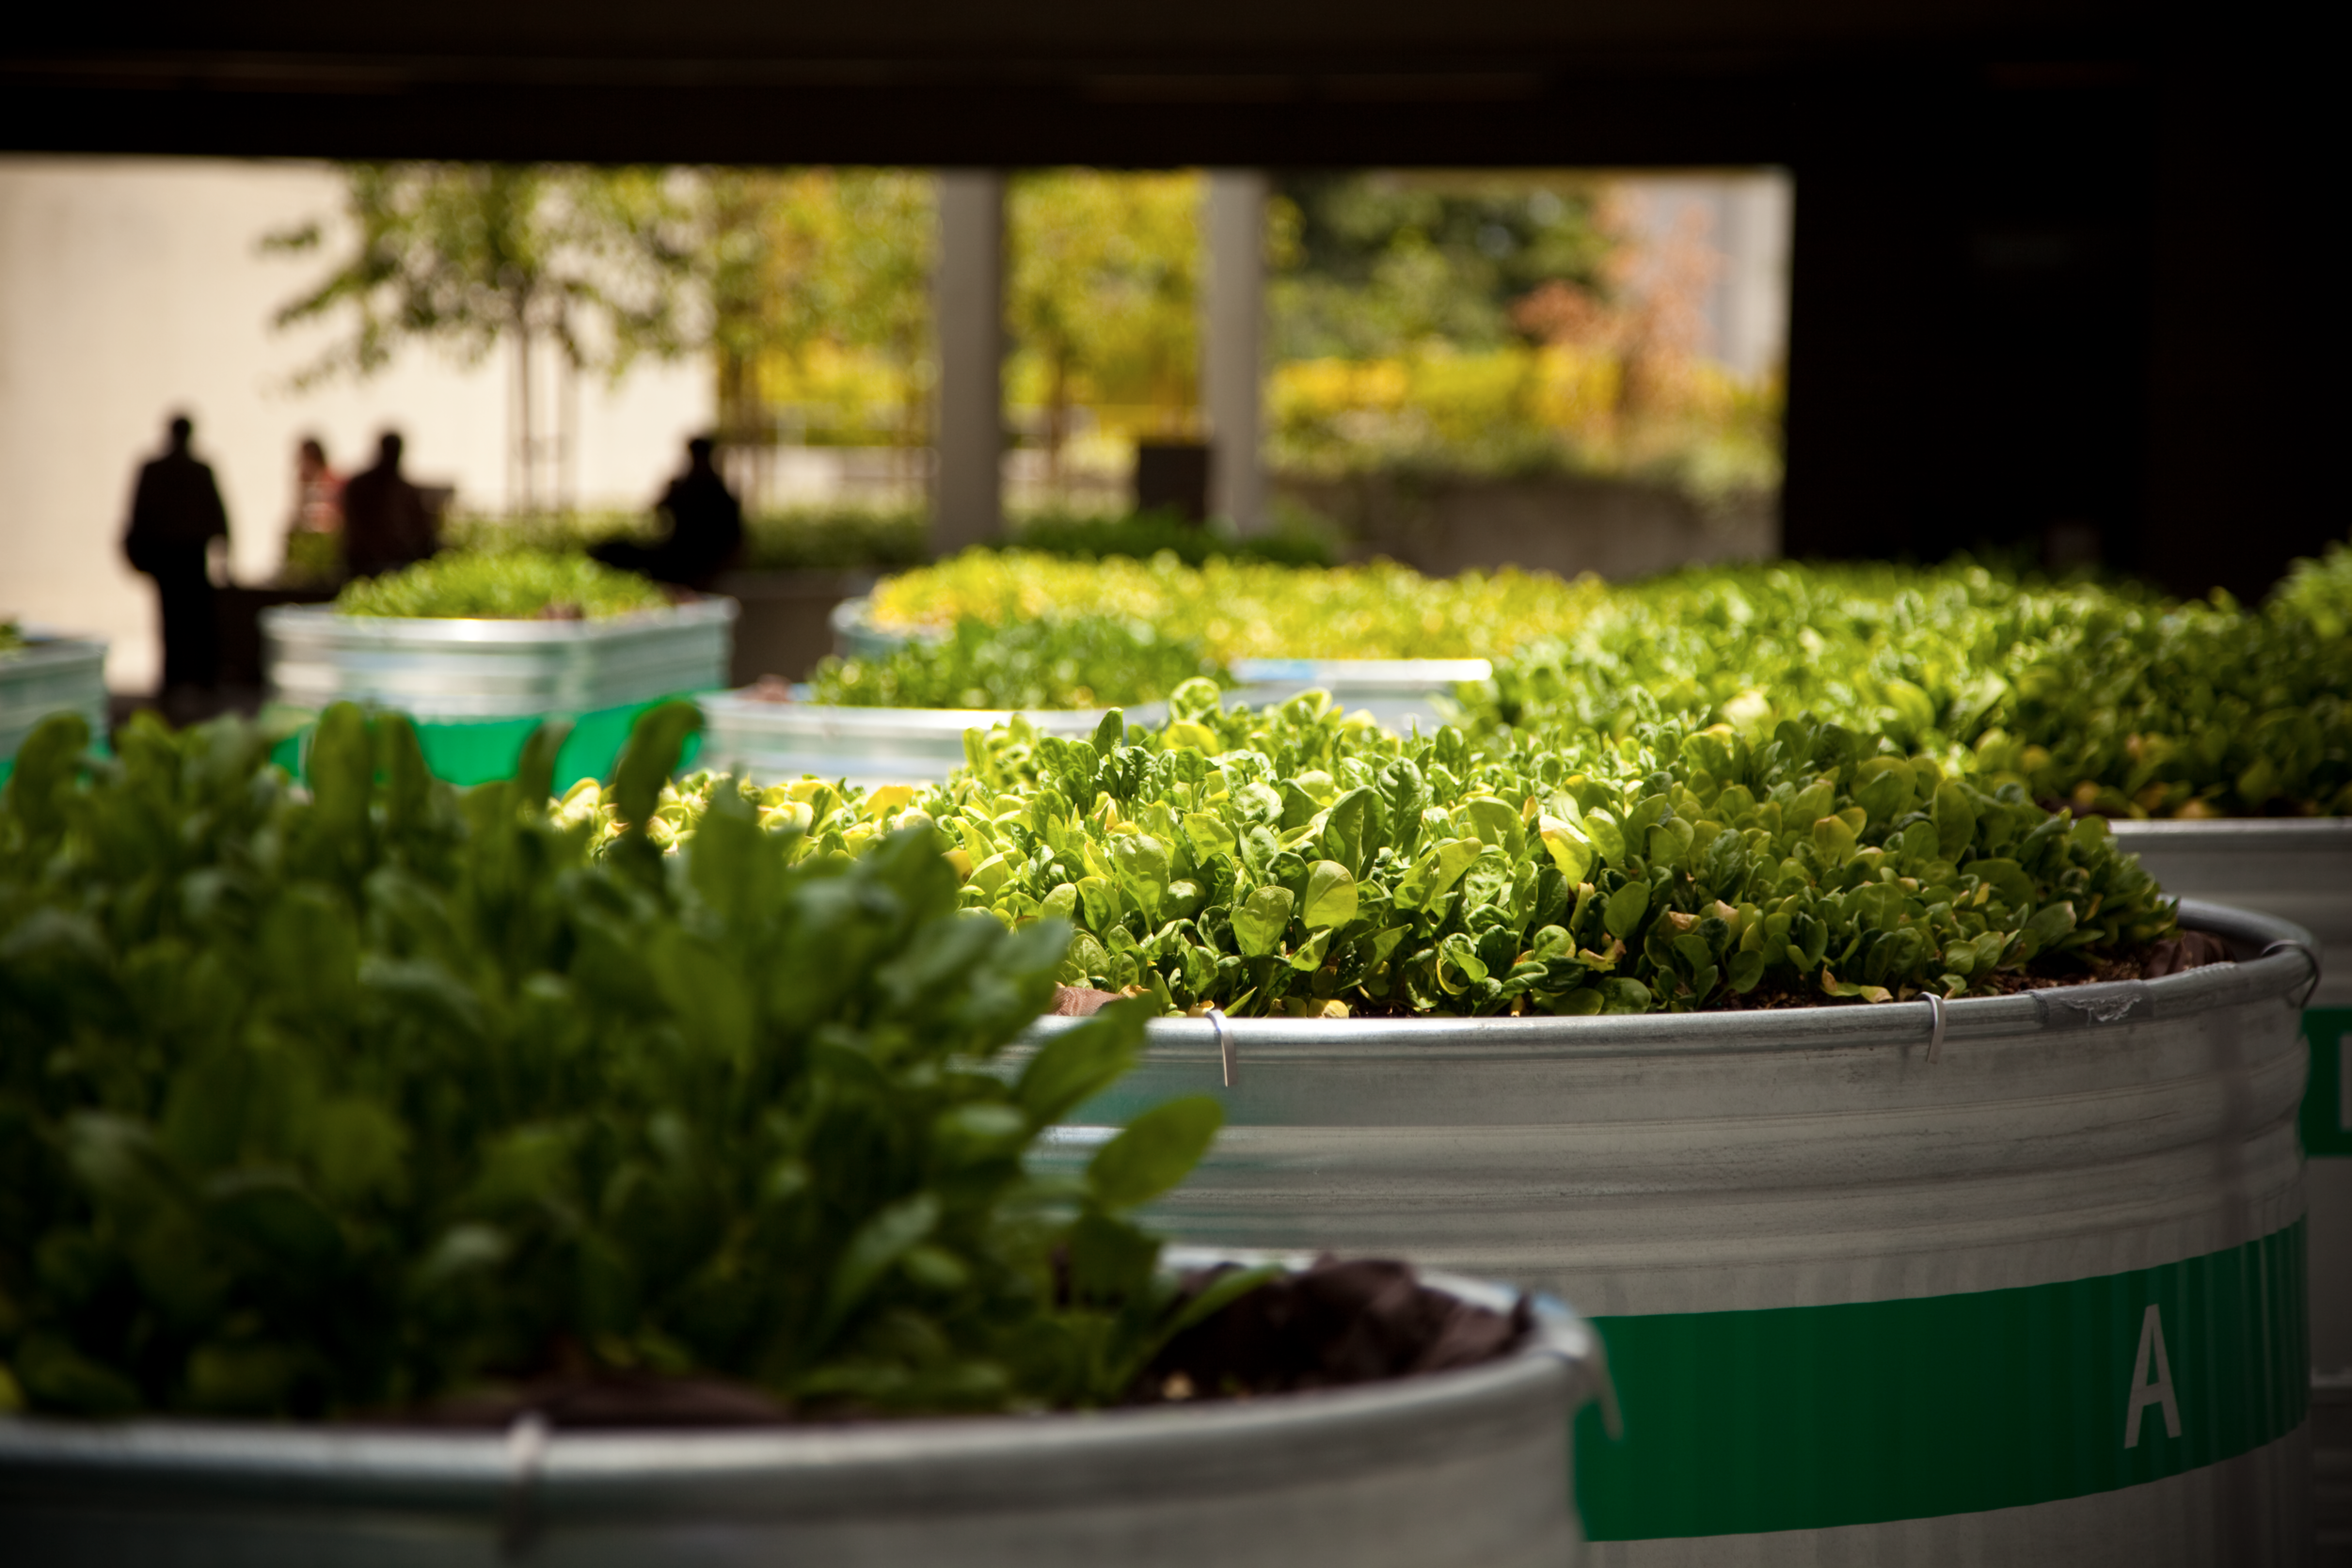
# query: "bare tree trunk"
(912, 441)
(1057, 422)
(568, 437)
(520, 422)
(742, 457)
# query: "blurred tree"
(1105, 274)
(735, 262)
(471, 255)
(851, 254)
(1645, 307)
(1503, 324)
(1372, 265)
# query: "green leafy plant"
(1292, 860)
(314, 1103)
(836, 820)
(512, 585)
(1059, 662)
(837, 539)
(1248, 609)
(542, 533)
(312, 559)
(2102, 696)
(1142, 535)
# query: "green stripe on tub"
(1810, 1417)
(2328, 1093)
(97, 748)
(475, 750)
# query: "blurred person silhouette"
(387, 522)
(705, 528)
(176, 515)
(318, 491)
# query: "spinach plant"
(510, 585)
(1239, 609)
(1074, 662)
(1295, 860)
(315, 1104)
(2104, 696)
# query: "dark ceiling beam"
(1526, 82)
(1290, 32)
(1723, 110)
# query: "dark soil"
(604, 1401)
(1363, 1321)
(2189, 950)
(1081, 1001)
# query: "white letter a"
(2145, 1393)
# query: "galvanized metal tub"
(2298, 869)
(1400, 692)
(2295, 869)
(51, 674)
(768, 740)
(855, 636)
(461, 668)
(2032, 1293)
(1463, 1469)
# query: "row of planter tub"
(2014, 1280)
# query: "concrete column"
(1232, 330)
(968, 315)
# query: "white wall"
(132, 288)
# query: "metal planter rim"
(1341, 676)
(2320, 834)
(1000, 1461)
(43, 646)
(806, 718)
(413, 632)
(49, 674)
(2282, 973)
(852, 622)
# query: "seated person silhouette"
(705, 528)
(387, 524)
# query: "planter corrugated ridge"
(767, 740)
(51, 674)
(1463, 1469)
(1858, 1301)
(478, 669)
